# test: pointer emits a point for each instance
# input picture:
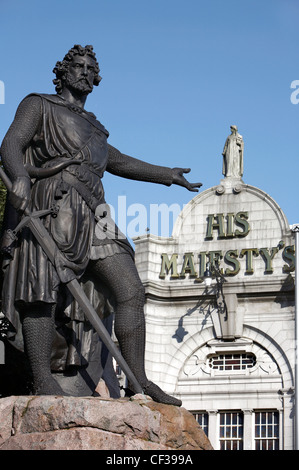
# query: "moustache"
(85, 80)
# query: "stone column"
(213, 429)
(248, 430)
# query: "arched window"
(232, 361)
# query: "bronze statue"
(55, 153)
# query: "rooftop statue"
(55, 154)
(233, 154)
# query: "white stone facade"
(240, 361)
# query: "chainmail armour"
(38, 331)
(115, 268)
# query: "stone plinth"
(92, 423)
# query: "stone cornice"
(271, 286)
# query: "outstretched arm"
(128, 167)
(17, 139)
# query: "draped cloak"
(66, 133)
(233, 156)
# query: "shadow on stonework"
(204, 306)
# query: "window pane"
(257, 418)
(203, 420)
(257, 445)
(264, 445)
(231, 430)
(267, 430)
(270, 418)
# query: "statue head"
(234, 129)
(61, 68)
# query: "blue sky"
(176, 75)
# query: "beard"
(80, 86)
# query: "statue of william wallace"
(55, 153)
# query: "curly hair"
(61, 68)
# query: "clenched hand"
(20, 193)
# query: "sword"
(33, 222)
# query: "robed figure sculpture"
(233, 154)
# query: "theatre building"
(220, 314)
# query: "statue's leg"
(38, 332)
(119, 273)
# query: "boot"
(131, 339)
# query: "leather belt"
(80, 187)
